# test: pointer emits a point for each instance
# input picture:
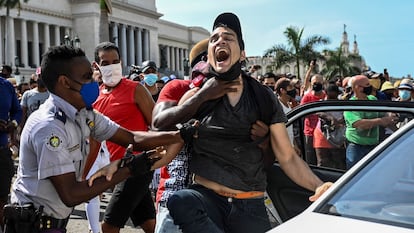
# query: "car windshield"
(383, 191)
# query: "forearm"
(300, 173)
(143, 140)
(150, 140)
(171, 153)
(169, 117)
(368, 123)
(73, 193)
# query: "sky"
(384, 30)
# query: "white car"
(375, 195)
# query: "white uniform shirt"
(53, 143)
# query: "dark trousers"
(200, 210)
(310, 154)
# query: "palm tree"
(339, 65)
(106, 8)
(297, 49)
(9, 4)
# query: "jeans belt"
(243, 195)
(47, 222)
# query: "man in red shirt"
(118, 96)
(317, 93)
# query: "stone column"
(57, 35)
(138, 36)
(23, 44)
(123, 46)
(177, 59)
(115, 33)
(1, 43)
(181, 61)
(35, 44)
(46, 35)
(131, 46)
(146, 44)
(10, 48)
(168, 56)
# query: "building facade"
(134, 25)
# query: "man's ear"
(242, 55)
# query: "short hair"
(270, 75)
(58, 61)
(282, 83)
(7, 68)
(105, 46)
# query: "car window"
(383, 191)
(323, 138)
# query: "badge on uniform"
(90, 123)
(53, 143)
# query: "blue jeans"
(355, 152)
(200, 210)
(164, 221)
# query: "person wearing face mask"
(316, 94)
(405, 92)
(269, 80)
(150, 78)
(118, 95)
(54, 147)
(362, 128)
(286, 93)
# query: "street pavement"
(79, 224)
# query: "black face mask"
(291, 93)
(367, 90)
(232, 74)
(271, 87)
(317, 87)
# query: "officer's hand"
(108, 171)
(214, 88)
(189, 130)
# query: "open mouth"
(222, 55)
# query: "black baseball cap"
(231, 21)
(148, 64)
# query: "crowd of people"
(86, 128)
(352, 134)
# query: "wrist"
(14, 123)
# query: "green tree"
(337, 64)
(106, 8)
(297, 49)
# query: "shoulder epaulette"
(60, 115)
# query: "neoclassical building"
(134, 25)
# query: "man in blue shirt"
(10, 116)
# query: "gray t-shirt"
(32, 99)
(54, 142)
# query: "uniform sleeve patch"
(54, 143)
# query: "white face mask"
(111, 74)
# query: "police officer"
(54, 148)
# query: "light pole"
(75, 42)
